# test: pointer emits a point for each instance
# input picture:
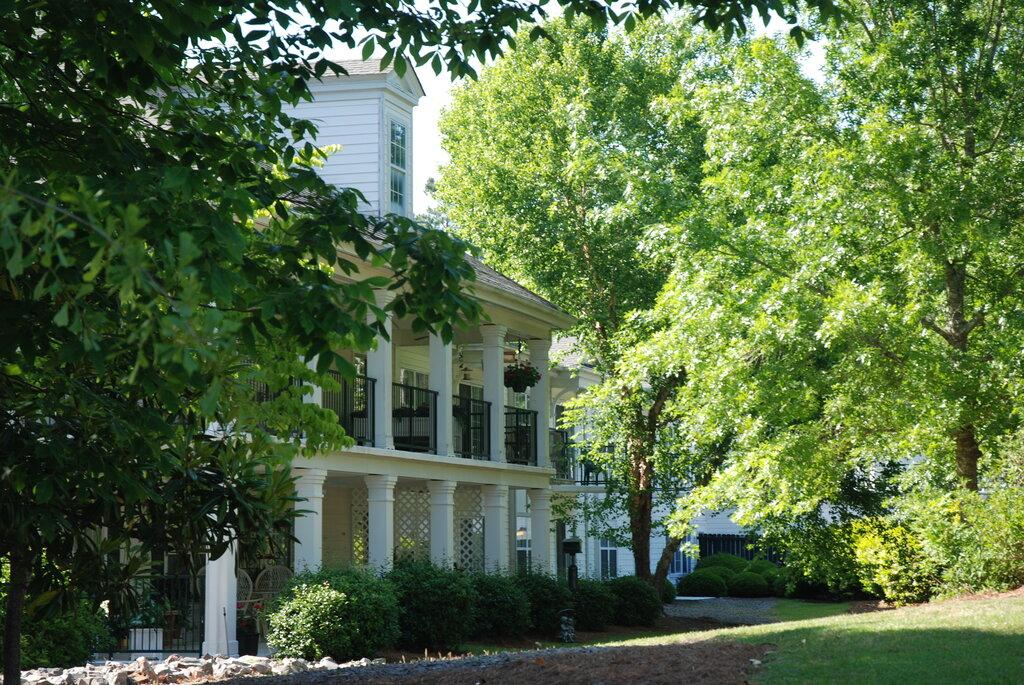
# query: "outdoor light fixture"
(521, 533)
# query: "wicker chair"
(270, 582)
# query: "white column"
(494, 385)
(541, 538)
(540, 399)
(380, 491)
(442, 521)
(379, 367)
(513, 526)
(441, 383)
(309, 526)
(496, 542)
(316, 397)
(219, 610)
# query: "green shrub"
(762, 567)
(547, 596)
(892, 563)
(747, 584)
(723, 572)
(502, 609)
(703, 582)
(637, 603)
(668, 591)
(730, 561)
(780, 584)
(370, 618)
(313, 622)
(435, 605)
(66, 638)
(595, 605)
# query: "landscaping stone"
(179, 669)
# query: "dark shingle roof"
(358, 67)
(499, 281)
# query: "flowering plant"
(248, 614)
(520, 376)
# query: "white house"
(446, 451)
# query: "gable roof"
(371, 67)
(495, 279)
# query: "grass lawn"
(957, 641)
(798, 610)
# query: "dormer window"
(399, 167)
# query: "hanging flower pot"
(520, 376)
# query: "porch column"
(494, 385)
(220, 603)
(441, 383)
(309, 526)
(316, 397)
(540, 399)
(379, 367)
(496, 550)
(442, 521)
(541, 539)
(380, 498)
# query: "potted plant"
(520, 376)
(146, 627)
(247, 628)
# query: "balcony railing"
(563, 455)
(414, 418)
(471, 427)
(353, 403)
(520, 436)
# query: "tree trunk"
(968, 453)
(661, 570)
(641, 505)
(20, 567)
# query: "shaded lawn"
(957, 641)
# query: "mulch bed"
(704, 662)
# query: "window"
(522, 544)
(399, 167)
(609, 559)
(416, 379)
(678, 564)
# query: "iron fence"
(353, 403)
(168, 617)
(414, 418)
(520, 436)
(471, 426)
(741, 545)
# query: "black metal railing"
(471, 427)
(414, 418)
(562, 454)
(167, 617)
(520, 436)
(353, 403)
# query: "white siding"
(351, 119)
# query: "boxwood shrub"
(365, 622)
(668, 591)
(723, 572)
(731, 561)
(747, 584)
(594, 603)
(502, 608)
(436, 605)
(702, 583)
(547, 596)
(762, 567)
(637, 602)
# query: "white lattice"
(469, 528)
(360, 526)
(412, 524)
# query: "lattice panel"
(412, 524)
(360, 526)
(469, 528)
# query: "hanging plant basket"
(520, 376)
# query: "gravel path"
(731, 610)
(699, 662)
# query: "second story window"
(399, 168)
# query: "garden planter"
(145, 639)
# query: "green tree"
(562, 166)
(850, 295)
(166, 241)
